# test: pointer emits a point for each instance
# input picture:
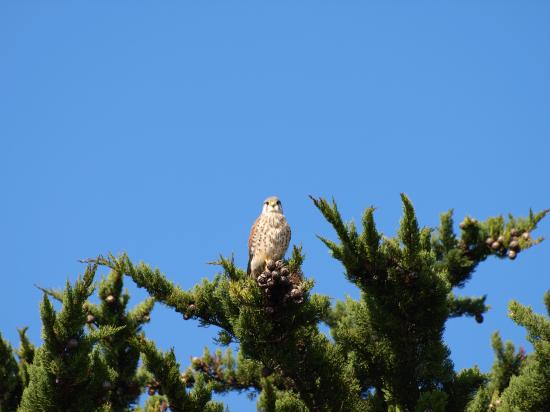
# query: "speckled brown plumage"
(269, 236)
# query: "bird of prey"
(269, 236)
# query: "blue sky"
(158, 129)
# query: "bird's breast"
(276, 220)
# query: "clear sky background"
(158, 128)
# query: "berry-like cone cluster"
(509, 245)
(281, 286)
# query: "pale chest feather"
(272, 232)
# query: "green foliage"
(10, 379)
(458, 257)
(463, 388)
(507, 364)
(519, 382)
(166, 371)
(529, 390)
(118, 352)
(394, 333)
(26, 355)
(434, 400)
(462, 305)
(287, 341)
(274, 400)
(386, 353)
(155, 403)
(64, 372)
(87, 361)
(225, 372)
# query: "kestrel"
(269, 236)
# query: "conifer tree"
(519, 382)
(11, 384)
(386, 353)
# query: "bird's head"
(272, 205)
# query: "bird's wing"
(251, 241)
(288, 234)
